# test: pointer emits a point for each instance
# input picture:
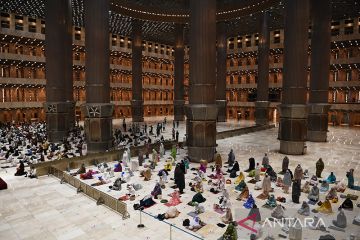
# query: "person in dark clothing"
(231, 158)
(296, 191)
(251, 165)
(177, 136)
(179, 177)
(20, 170)
(235, 168)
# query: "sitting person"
(32, 172)
(235, 168)
(146, 174)
(203, 166)
(271, 202)
(117, 184)
(350, 177)
(194, 223)
(147, 201)
(100, 182)
(81, 170)
(172, 212)
(227, 218)
(314, 194)
(331, 178)
(198, 185)
(199, 208)
(270, 171)
(163, 174)
(168, 163)
(313, 180)
(218, 186)
(156, 192)
(218, 174)
(21, 169)
(332, 195)
(118, 167)
(88, 175)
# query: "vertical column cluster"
(202, 109)
(262, 103)
(293, 108)
(221, 71)
(319, 74)
(137, 103)
(59, 106)
(98, 110)
(179, 73)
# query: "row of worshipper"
(217, 183)
(27, 143)
(294, 180)
(138, 134)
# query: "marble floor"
(220, 126)
(44, 208)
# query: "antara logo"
(289, 222)
(292, 222)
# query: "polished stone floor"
(220, 126)
(44, 209)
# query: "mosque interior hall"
(180, 119)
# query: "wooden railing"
(100, 197)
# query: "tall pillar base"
(292, 128)
(201, 131)
(58, 120)
(262, 112)
(201, 153)
(221, 104)
(318, 122)
(179, 113)
(292, 148)
(98, 126)
(137, 110)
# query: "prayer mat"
(219, 210)
(351, 196)
(124, 198)
(268, 207)
(356, 223)
(252, 181)
(311, 202)
(197, 229)
(149, 206)
(337, 228)
(164, 201)
(3, 184)
(262, 196)
(206, 231)
(192, 214)
(208, 215)
(281, 199)
(169, 204)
